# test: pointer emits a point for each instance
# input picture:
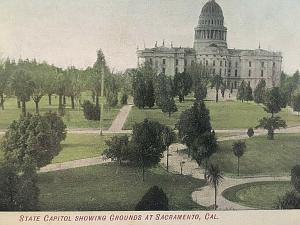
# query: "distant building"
(210, 50)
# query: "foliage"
(182, 85)
(150, 97)
(160, 85)
(295, 177)
(118, 148)
(154, 200)
(239, 149)
(289, 84)
(4, 83)
(168, 104)
(271, 124)
(147, 144)
(250, 132)
(241, 94)
(193, 123)
(291, 200)
(18, 191)
(296, 103)
(124, 99)
(35, 137)
(260, 91)
(248, 93)
(91, 111)
(274, 101)
(111, 92)
(217, 82)
(214, 177)
(200, 91)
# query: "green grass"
(224, 115)
(73, 118)
(259, 195)
(109, 187)
(262, 156)
(81, 146)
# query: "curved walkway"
(205, 195)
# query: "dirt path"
(120, 120)
(205, 195)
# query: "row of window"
(213, 22)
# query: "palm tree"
(214, 177)
(217, 82)
(239, 148)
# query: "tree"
(147, 144)
(91, 111)
(295, 177)
(160, 88)
(250, 132)
(239, 149)
(248, 93)
(274, 101)
(34, 136)
(117, 148)
(296, 103)
(214, 177)
(193, 123)
(241, 94)
(60, 89)
(260, 91)
(182, 85)
(154, 200)
(200, 91)
(18, 191)
(271, 124)
(203, 148)
(75, 84)
(124, 99)
(4, 89)
(223, 90)
(111, 92)
(168, 137)
(149, 96)
(23, 87)
(217, 82)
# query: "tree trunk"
(73, 102)
(64, 99)
(238, 166)
(2, 102)
(37, 111)
(217, 95)
(97, 100)
(60, 105)
(271, 134)
(50, 99)
(19, 104)
(93, 96)
(215, 197)
(167, 159)
(24, 108)
(143, 172)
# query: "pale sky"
(68, 32)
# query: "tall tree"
(168, 104)
(260, 91)
(296, 103)
(271, 124)
(169, 138)
(147, 144)
(150, 96)
(241, 94)
(61, 84)
(217, 82)
(248, 93)
(117, 148)
(274, 101)
(182, 85)
(23, 87)
(4, 87)
(214, 177)
(239, 149)
(295, 177)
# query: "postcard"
(149, 112)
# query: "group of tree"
(29, 144)
(245, 92)
(291, 200)
(145, 148)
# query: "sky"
(69, 32)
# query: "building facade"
(210, 50)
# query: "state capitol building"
(211, 50)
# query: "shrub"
(91, 111)
(124, 99)
(250, 132)
(291, 200)
(154, 200)
(295, 174)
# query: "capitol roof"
(212, 9)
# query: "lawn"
(110, 187)
(224, 115)
(73, 118)
(259, 195)
(81, 146)
(262, 156)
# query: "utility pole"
(102, 104)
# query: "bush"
(112, 98)
(91, 111)
(291, 200)
(295, 177)
(124, 99)
(154, 200)
(250, 132)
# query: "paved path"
(205, 195)
(73, 164)
(120, 120)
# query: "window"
(164, 61)
(176, 70)
(225, 63)
(220, 72)
(200, 63)
(250, 63)
(262, 64)
(176, 62)
(151, 62)
(235, 73)
(214, 71)
(229, 72)
(164, 70)
(249, 73)
(214, 63)
(235, 84)
(229, 63)
(236, 64)
(262, 73)
(221, 63)
(274, 64)
(206, 63)
(185, 62)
